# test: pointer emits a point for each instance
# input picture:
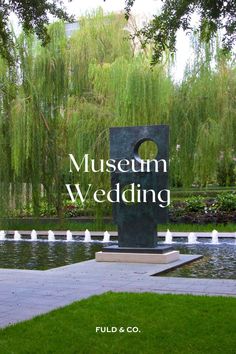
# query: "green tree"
(177, 14)
(33, 15)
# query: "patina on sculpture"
(137, 222)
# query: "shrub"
(226, 202)
(78, 209)
(195, 204)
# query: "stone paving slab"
(27, 293)
(100, 234)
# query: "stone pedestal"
(138, 257)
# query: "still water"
(44, 255)
(219, 261)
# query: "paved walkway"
(27, 293)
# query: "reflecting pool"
(219, 261)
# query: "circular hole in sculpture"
(146, 150)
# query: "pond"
(44, 255)
(219, 261)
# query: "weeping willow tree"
(64, 97)
(8, 94)
(200, 110)
(203, 118)
(48, 108)
(136, 94)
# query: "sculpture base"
(158, 249)
(138, 257)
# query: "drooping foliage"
(63, 98)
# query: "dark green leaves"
(213, 15)
(33, 15)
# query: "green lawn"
(167, 323)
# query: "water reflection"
(44, 255)
(219, 261)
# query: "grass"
(167, 323)
(101, 226)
